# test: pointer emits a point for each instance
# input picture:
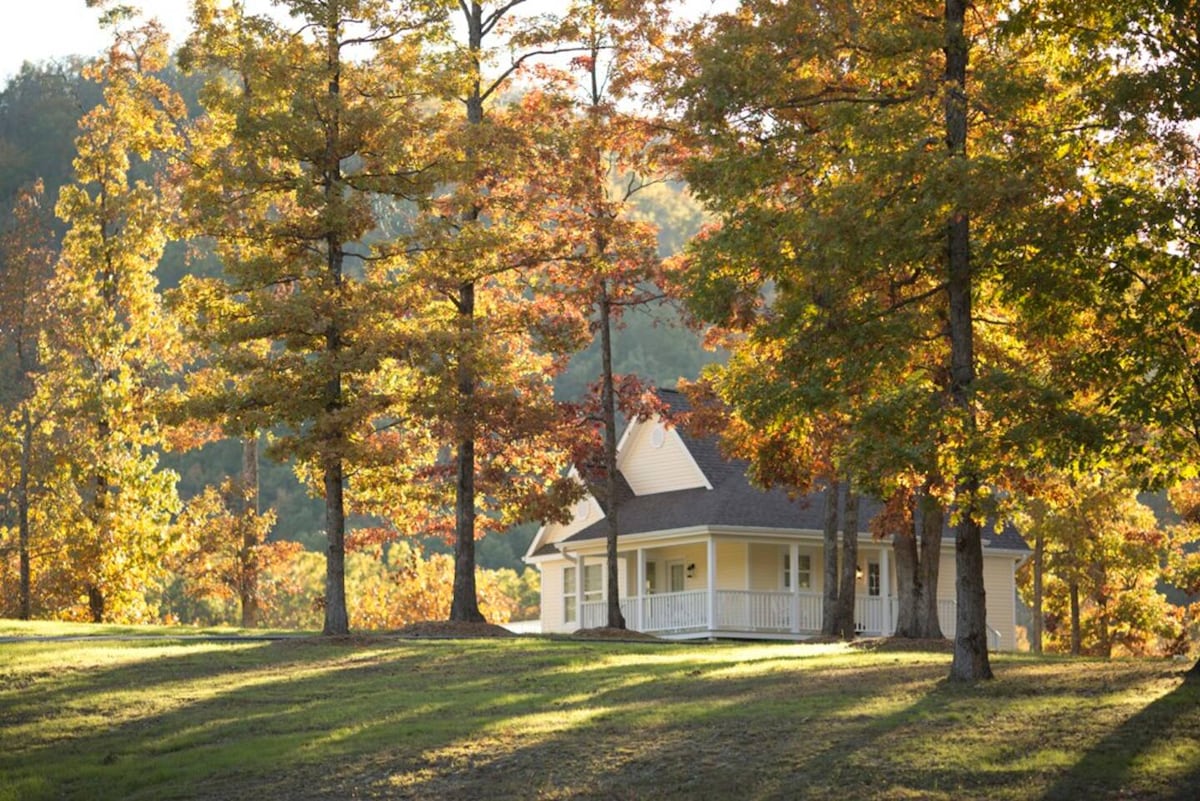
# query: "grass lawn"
(535, 718)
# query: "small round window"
(583, 509)
(658, 436)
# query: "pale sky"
(37, 30)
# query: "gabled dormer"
(653, 458)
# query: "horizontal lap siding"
(997, 584)
(552, 598)
(731, 565)
(651, 470)
(1001, 601)
(766, 567)
(557, 532)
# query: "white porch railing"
(669, 611)
(675, 611)
(736, 610)
(868, 614)
(746, 610)
(751, 611)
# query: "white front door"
(675, 576)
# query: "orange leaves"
(400, 585)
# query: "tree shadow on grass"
(543, 720)
(708, 733)
(1155, 754)
(879, 731)
(305, 713)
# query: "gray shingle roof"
(734, 501)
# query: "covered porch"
(733, 586)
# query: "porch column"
(794, 569)
(885, 589)
(712, 583)
(640, 616)
(579, 591)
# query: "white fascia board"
(678, 536)
(635, 423)
(691, 534)
(534, 544)
(765, 532)
(537, 560)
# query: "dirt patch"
(608, 633)
(449, 629)
(903, 644)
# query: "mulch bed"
(607, 633)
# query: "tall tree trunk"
(846, 593)
(933, 520)
(1039, 620)
(248, 584)
(908, 584)
(829, 605)
(464, 606)
(337, 619)
(1099, 575)
(101, 519)
(26, 610)
(608, 401)
(1076, 641)
(970, 661)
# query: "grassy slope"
(536, 718)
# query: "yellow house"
(702, 553)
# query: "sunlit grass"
(163, 718)
(44, 628)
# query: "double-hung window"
(803, 571)
(593, 583)
(593, 588)
(570, 588)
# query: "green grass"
(38, 628)
(162, 718)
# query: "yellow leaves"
(405, 586)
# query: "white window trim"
(569, 597)
(785, 579)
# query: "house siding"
(557, 532)
(1001, 598)
(731, 565)
(552, 596)
(692, 554)
(671, 468)
(766, 562)
(999, 589)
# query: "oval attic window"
(658, 436)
